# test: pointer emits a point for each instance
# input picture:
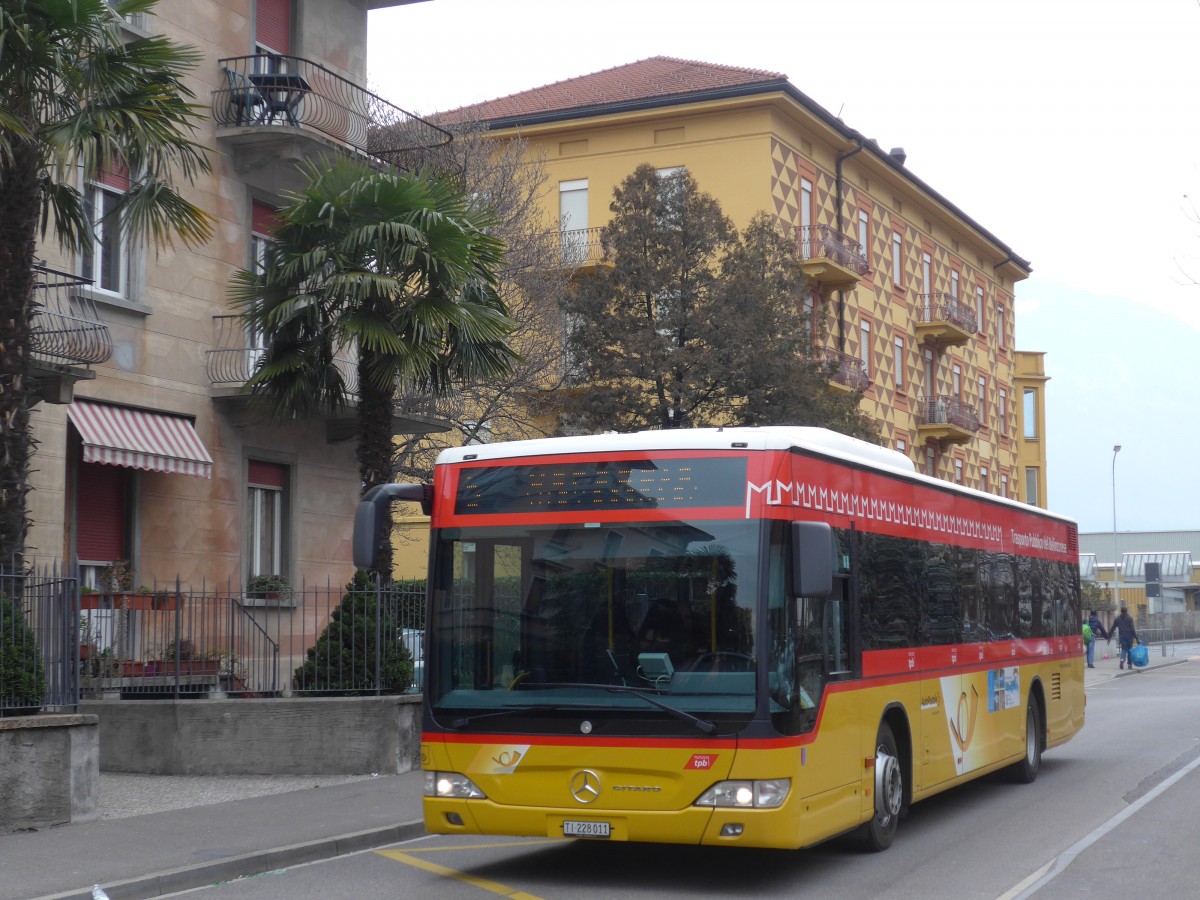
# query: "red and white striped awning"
(136, 439)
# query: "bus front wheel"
(879, 833)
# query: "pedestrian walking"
(1126, 634)
(1091, 630)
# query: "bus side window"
(835, 628)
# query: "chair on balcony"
(245, 100)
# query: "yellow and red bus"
(763, 637)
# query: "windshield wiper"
(703, 724)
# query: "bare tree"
(507, 180)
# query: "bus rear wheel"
(879, 833)
(1025, 771)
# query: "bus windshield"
(637, 619)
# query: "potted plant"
(184, 659)
(268, 587)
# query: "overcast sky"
(1071, 130)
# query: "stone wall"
(323, 736)
(49, 771)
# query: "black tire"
(879, 833)
(1026, 771)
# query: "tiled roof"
(647, 79)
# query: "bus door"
(945, 713)
(486, 612)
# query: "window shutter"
(273, 25)
(100, 516)
(265, 474)
(263, 219)
(117, 179)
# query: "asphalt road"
(1112, 814)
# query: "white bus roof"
(772, 437)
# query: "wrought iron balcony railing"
(66, 327)
(940, 410)
(941, 307)
(822, 242)
(847, 370)
(293, 92)
(234, 357)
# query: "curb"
(1165, 665)
(186, 878)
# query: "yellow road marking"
(483, 883)
(492, 846)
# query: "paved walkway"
(158, 834)
(157, 853)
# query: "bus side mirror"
(814, 559)
(371, 517)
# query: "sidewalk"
(1176, 652)
(178, 849)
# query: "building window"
(106, 261)
(864, 350)
(979, 319)
(956, 382)
(1031, 486)
(954, 286)
(475, 432)
(930, 462)
(897, 259)
(806, 235)
(958, 471)
(983, 479)
(273, 27)
(927, 282)
(1003, 402)
(264, 518)
(1030, 414)
(930, 375)
(573, 220)
(899, 363)
(981, 409)
(901, 445)
(1001, 326)
(864, 234)
(1003, 485)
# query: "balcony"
(946, 420)
(233, 359)
(285, 108)
(832, 259)
(580, 249)
(67, 335)
(846, 371)
(944, 320)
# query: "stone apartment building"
(147, 448)
(918, 296)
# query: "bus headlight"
(767, 794)
(451, 784)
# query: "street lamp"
(1116, 567)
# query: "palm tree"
(77, 101)
(396, 269)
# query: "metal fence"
(37, 634)
(179, 643)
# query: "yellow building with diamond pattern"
(918, 296)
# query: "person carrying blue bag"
(1126, 635)
(1091, 631)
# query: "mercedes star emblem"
(585, 786)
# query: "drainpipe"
(858, 141)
